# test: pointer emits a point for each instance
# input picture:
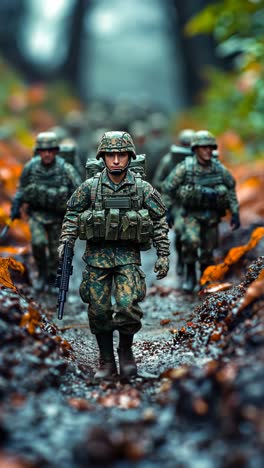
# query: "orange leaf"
(165, 321)
(31, 319)
(217, 272)
(215, 287)
(15, 250)
(5, 264)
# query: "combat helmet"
(203, 138)
(116, 141)
(68, 151)
(60, 132)
(46, 140)
(185, 136)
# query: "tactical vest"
(48, 190)
(117, 216)
(191, 193)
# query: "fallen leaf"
(165, 321)
(5, 265)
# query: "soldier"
(206, 190)
(138, 131)
(46, 184)
(68, 151)
(176, 155)
(118, 214)
(158, 141)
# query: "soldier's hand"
(61, 250)
(15, 211)
(162, 267)
(235, 221)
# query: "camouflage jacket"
(46, 188)
(108, 254)
(176, 155)
(190, 177)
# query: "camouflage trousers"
(45, 239)
(126, 283)
(199, 239)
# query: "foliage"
(217, 272)
(234, 100)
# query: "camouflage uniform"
(176, 155)
(118, 259)
(46, 189)
(110, 256)
(194, 185)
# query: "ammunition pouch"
(111, 225)
(191, 196)
(51, 198)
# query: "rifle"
(15, 214)
(63, 277)
(6, 228)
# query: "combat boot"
(179, 263)
(127, 363)
(51, 284)
(190, 278)
(107, 366)
(41, 264)
(39, 283)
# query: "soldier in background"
(157, 143)
(68, 151)
(176, 155)
(45, 185)
(206, 189)
(139, 132)
(118, 214)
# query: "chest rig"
(116, 215)
(47, 188)
(195, 179)
(195, 176)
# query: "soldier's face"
(116, 160)
(47, 156)
(204, 154)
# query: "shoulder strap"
(139, 188)
(189, 165)
(95, 193)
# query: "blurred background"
(151, 67)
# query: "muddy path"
(197, 401)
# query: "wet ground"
(197, 401)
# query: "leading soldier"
(118, 214)
(45, 185)
(206, 190)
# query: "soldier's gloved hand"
(61, 250)
(209, 195)
(235, 221)
(169, 218)
(162, 267)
